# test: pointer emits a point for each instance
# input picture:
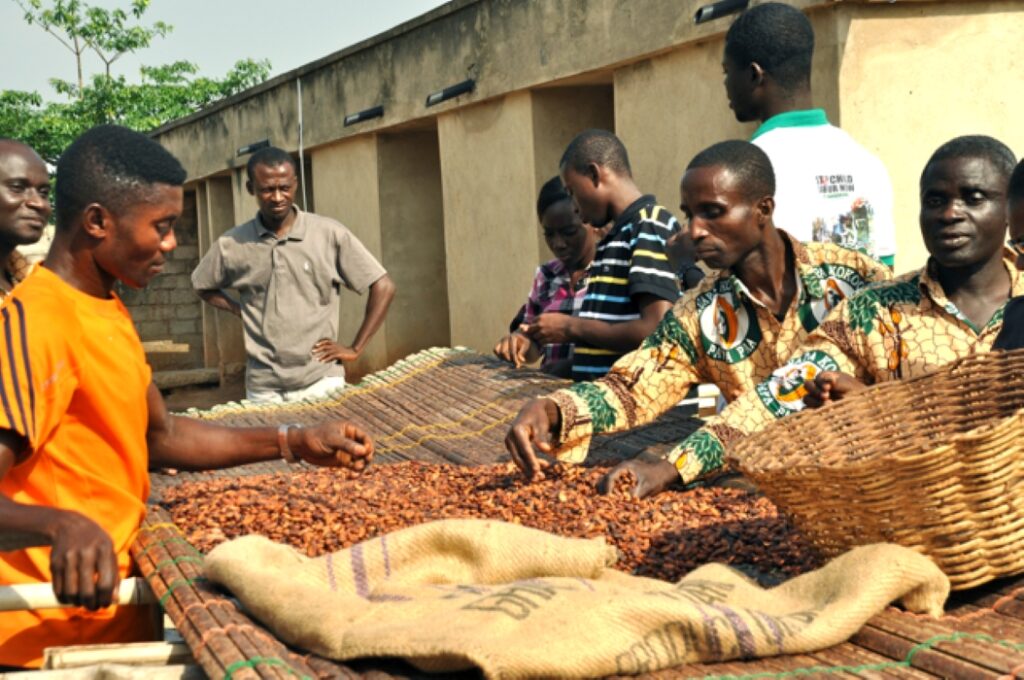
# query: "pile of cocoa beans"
(662, 537)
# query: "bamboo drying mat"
(440, 405)
(452, 405)
(982, 635)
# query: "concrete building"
(444, 194)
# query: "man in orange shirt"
(80, 419)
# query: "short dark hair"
(777, 37)
(270, 156)
(110, 165)
(552, 192)
(747, 161)
(1015, 189)
(596, 146)
(974, 146)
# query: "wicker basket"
(935, 463)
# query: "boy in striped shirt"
(631, 283)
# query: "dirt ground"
(205, 396)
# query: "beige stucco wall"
(412, 230)
(346, 187)
(488, 176)
(914, 76)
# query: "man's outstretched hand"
(531, 431)
(653, 475)
(334, 444)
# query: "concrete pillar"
(489, 183)
(413, 241)
(345, 182)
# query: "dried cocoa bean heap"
(663, 537)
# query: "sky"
(213, 34)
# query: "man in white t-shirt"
(828, 187)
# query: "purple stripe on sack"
(744, 637)
(384, 551)
(774, 627)
(587, 584)
(359, 571)
(711, 633)
(330, 572)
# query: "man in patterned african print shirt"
(950, 308)
(24, 208)
(768, 293)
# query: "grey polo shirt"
(289, 290)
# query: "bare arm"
(82, 560)
(221, 300)
(619, 337)
(190, 444)
(382, 292)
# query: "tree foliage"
(162, 94)
(81, 28)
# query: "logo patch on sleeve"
(783, 393)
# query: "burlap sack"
(517, 602)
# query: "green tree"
(162, 94)
(80, 28)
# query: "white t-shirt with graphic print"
(827, 186)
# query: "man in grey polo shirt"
(288, 267)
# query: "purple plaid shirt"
(553, 292)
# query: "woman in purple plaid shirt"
(558, 286)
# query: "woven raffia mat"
(441, 405)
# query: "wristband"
(282, 443)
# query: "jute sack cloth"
(518, 602)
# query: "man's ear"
(97, 221)
(248, 187)
(593, 173)
(757, 74)
(765, 209)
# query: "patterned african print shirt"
(553, 291)
(889, 331)
(16, 270)
(717, 332)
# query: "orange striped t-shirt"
(73, 382)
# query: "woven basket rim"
(735, 452)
